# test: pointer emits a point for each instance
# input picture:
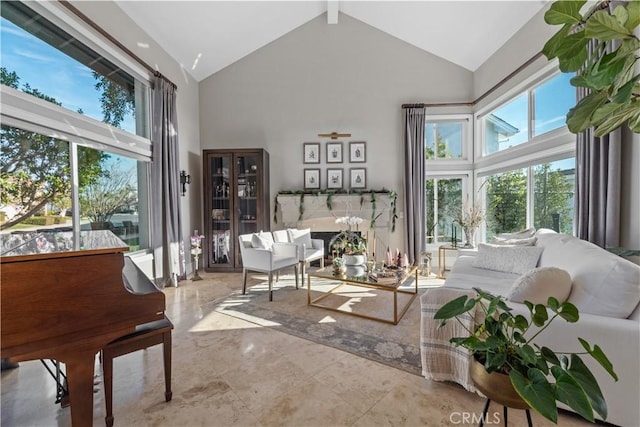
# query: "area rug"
(394, 345)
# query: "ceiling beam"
(332, 11)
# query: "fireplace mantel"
(315, 208)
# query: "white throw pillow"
(539, 284)
(259, 241)
(300, 237)
(510, 259)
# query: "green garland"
(331, 193)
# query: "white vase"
(355, 271)
(354, 259)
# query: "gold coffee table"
(385, 284)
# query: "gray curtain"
(414, 181)
(597, 199)
(166, 237)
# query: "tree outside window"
(506, 198)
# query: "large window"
(506, 202)
(448, 165)
(537, 111)
(48, 151)
(540, 195)
(554, 188)
(444, 140)
(443, 200)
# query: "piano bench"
(145, 335)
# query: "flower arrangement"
(470, 216)
(349, 241)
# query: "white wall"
(322, 78)
(112, 19)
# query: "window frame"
(30, 113)
(551, 146)
(465, 176)
(466, 159)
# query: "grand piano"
(62, 297)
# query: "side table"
(442, 262)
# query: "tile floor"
(229, 372)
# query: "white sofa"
(606, 290)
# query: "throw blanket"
(441, 360)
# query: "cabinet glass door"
(221, 209)
(247, 189)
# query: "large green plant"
(504, 343)
(608, 73)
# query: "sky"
(52, 72)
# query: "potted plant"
(503, 343)
(349, 243)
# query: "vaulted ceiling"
(206, 36)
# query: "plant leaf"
(553, 303)
(633, 9)
(600, 357)
(569, 312)
(579, 117)
(521, 322)
(564, 12)
(617, 118)
(605, 27)
(453, 308)
(549, 356)
(573, 63)
(568, 391)
(581, 373)
(605, 112)
(517, 336)
(495, 361)
(624, 93)
(604, 72)
(571, 47)
(540, 315)
(536, 391)
(550, 48)
(527, 354)
(634, 122)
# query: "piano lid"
(51, 242)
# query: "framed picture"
(334, 178)
(311, 152)
(311, 179)
(357, 152)
(358, 177)
(334, 152)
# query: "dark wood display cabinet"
(236, 201)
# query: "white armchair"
(266, 256)
(308, 249)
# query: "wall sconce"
(184, 180)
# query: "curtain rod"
(484, 95)
(109, 37)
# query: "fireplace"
(320, 218)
